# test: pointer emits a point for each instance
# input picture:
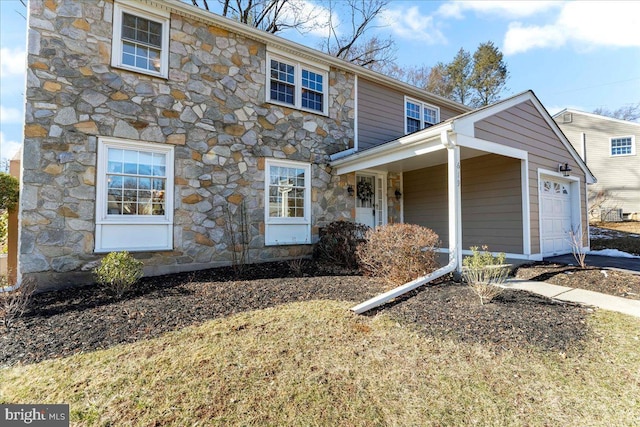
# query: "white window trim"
(633, 145)
(422, 105)
(298, 65)
(103, 220)
(159, 16)
(271, 222)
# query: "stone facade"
(211, 108)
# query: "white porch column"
(454, 200)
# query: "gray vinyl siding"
(522, 127)
(381, 113)
(617, 175)
(491, 202)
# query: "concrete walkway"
(580, 296)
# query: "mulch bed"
(84, 319)
(612, 282)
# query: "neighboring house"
(152, 125)
(608, 146)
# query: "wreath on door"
(365, 191)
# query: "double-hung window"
(297, 84)
(287, 202)
(140, 40)
(623, 146)
(134, 196)
(419, 115)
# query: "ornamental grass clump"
(485, 272)
(119, 271)
(399, 253)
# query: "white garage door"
(555, 201)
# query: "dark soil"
(77, 320)
(612, 282)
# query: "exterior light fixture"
(398, 194)
(564, 168)
(350, 190)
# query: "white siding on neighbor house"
(523, 127)
(617, 175)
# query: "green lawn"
(316, 363)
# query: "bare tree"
(630, 112)
(350, 45)
(271, 16)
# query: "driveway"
(630, 264)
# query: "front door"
(369, 200)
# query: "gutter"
(455, 231)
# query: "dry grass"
(626, 226)
(316, 363)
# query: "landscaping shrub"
(14, 303)
(398, 253)
(9, 191)
(339, 241)
(119, 271)
(485, 273)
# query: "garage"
(555, 216)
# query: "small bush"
(484, 273)
(14, 303)
(119, 271)
(399, 253)
(339, 242)
(9, 191)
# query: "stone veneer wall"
(211, 108)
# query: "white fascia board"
(382, 158)
(490, 147)
(423, 142)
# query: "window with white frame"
(140, 40)
(419, 115)
(297, 84)
(623, 146)
(134, 196)
(287, 202)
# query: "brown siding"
(425, 200)
(491, 202)
(522, 127)
(618, 175)
(381, 113)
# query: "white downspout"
(455, 235)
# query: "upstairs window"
(140, 41)
(420, 115)
(297, 84)
(623, 146)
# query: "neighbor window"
(134, 196)
(420, 115)
(140, 41)
(623, 146)
(287, 202)
(297, 84)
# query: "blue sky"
(577, 54)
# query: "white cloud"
(8, 148)
(12, 62)
(509, 9)
(411, 24)
(613, 24)
(309, 17)
(10, 115)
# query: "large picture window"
(623, 146)
(296, 84)
(420, 115)
(140, 40)
(287, 202)
(134, 196)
